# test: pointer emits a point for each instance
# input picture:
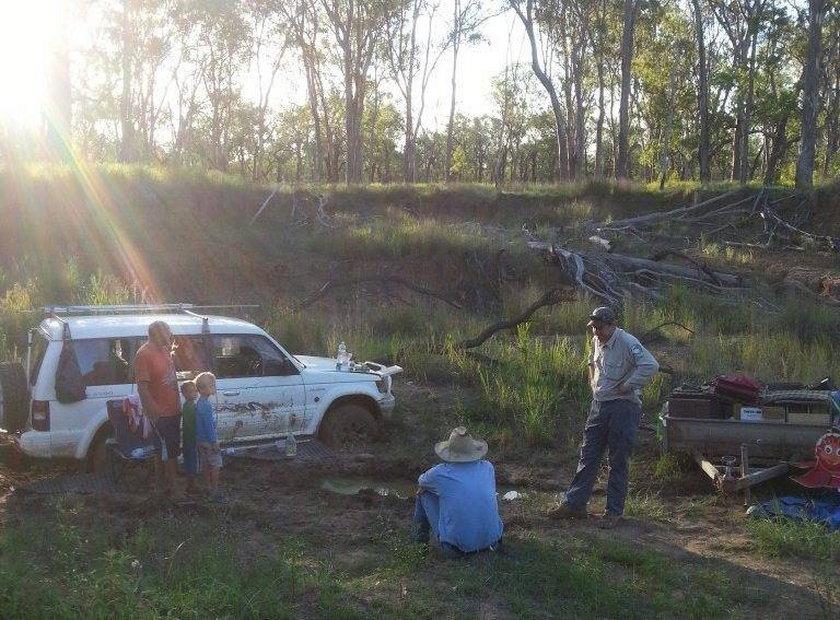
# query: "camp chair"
(126, 447)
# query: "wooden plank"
(708, 467)
(760, 476)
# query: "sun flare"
(27, 34)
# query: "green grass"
(67, 565)
(794, 539)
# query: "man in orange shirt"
(157, 386)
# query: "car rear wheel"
(14, 397)
(349, 427)
(98, 457)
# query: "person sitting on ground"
(457, 498)
(189, 450)
(209, 452)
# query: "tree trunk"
(631, 9)
(456, 44)
(599, 125)
(702, 96)
(317, 139)
(580, 111)
(666, 138)
(128, 152)
(559, 124)
(744, 172)
(777, 149)
(810, 91)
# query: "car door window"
(238, 356)
(102, 360)
(190, 356)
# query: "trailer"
(739, 445)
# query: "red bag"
(739, 388)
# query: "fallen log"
(573, 265)
(630, 263)
(652, 218)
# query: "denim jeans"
(611, 425)
(427, 518)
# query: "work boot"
(564, 511)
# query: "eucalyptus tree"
(357, 27)
(567, 25)
(513, 93)
(307, 27)
(631, 12)
(743, 22)
(604, 40)
(810, 91)
(831, 81)
(122, 71)
(412, 58)
(217, 42)
(776, 92)
(702, 94)
(383, 126)
(665, 99)
(526, 12)
(270, 39)
(467, 16)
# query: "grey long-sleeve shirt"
(622, 359)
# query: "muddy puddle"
(347, 485)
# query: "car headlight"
(384, 385)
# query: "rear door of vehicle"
(104, 366)
(260, 391)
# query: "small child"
(209, 453)
(190, 392)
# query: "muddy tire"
(349, 427)
(14, 397)
(98, 457)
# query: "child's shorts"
(190, 458)
(209, 455)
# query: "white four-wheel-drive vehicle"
(263, 391)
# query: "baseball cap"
(602, 315)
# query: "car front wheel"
(349, 427)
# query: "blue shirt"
(469, 511)
(205, 422)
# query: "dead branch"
(701, 265)
(651, 218)
(333, 284)
(323, 218)
(549, 298)
(630, 263)
(643, 338)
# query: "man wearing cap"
(457, 498)
(619, 366)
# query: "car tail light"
(384, 385)
(41, 415)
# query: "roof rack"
(136, 309)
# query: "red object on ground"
(826, 471)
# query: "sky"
(27, 26)
(478, 65)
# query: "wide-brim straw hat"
(461, 447)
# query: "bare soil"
(281, 497)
